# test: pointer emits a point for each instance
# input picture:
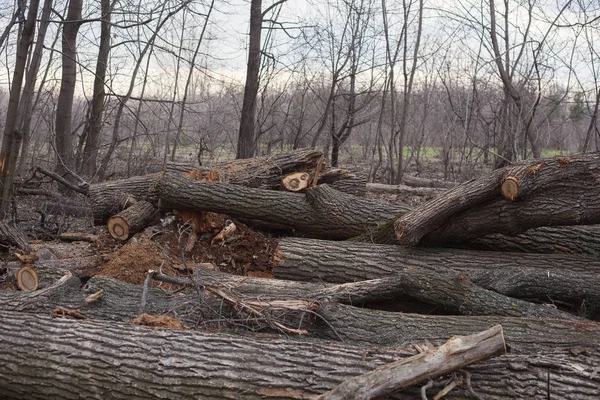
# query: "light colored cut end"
(296, 182)
(27, 279)
(510, 188)
(118, 228)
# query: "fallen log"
(415, 181)
(186, 364)
(583, 239)
(321, 212)
(525, 276)
(557, 191)
(131, 220)
(111, 197)
(403, 189)
(456, 353)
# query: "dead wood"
(11, 236)
(79, 237)
(556, 191)
(82, 188)
(321, 212)
(188, 363)
(296, 181)
(583, 239)
(131, 220)
(458, 352)
(65, 208)
(546, 279)
(404, 190)
(415, 181)
(111, 197)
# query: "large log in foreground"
(557, 191)
(131, 362)
(456, 353)
(320, 212)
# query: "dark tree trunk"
(64, 109)
(94, 123)
(245, 145)
(131, 220)
(11, 140)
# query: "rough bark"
(178, 364)
(564, 239)
(321, 212)
(245, 144)
(426, 183)
(456, 353)
(352, 181)
(11, 236)
(11, 139)
(557, 191)
(131, 220)
(64, 131)
(531, 277)
(107, 197)
(403, 189)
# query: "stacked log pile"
(502, 323)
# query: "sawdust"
(131, 262)
(159, 321)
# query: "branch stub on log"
(296, 182)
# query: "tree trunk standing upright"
(63, 139)
(245, 145)
(27, 103)
(94, 123)
(11, 140)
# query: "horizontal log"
(131, 220)
(403, 189)
(415, 181)
(557, 191)
(321, 211)
(181, 364)
(552, 277)
(583, 239)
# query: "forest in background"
(103, 89)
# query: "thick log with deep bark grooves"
(321, 211)
(264, 172)
(547, 278)
(583, 239)
(556, 191)
(131, 220)
(178, 364)
(110, 198)
(11, 236)
(456, 353)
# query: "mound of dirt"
(246, 252)
(131, 262)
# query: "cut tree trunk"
(110, 198)
(531, 277)
(583, 239)
(557, 191)
(131, 220)
(178, 364)
(265, 172)
(321, 212)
